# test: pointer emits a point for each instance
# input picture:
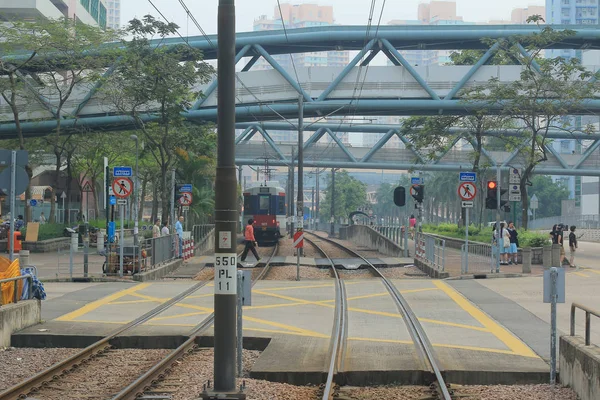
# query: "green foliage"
(484, 235)
(550, 195)
(350, 193)
(47, 231)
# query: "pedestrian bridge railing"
(430, 250)
(588, 313)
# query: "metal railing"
(481, 258)
(159, 250)
(431, 250)
(16, 280)
(588, 313)
(199, 232)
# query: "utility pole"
(292, 213)
(300, 199)
(317, 200)
(226, 214)
(312, 208)
(332, 231)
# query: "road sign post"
(298, 245)
(467, 190)
(122, 187)
(554, 292)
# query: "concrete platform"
(292, 322)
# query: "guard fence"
(398, 235)
(479, 258)
(430, 250)
(199, 232)
(588, 313)
(26, 290)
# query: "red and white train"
(266, 205)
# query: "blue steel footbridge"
(397, 89)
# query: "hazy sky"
(346, 12)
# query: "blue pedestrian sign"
(186, 188)
(416, 181)
(112, 200)
(468, 176)
(122, 172)
(33, 202)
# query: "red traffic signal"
(492, 185)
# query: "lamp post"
(136, 240)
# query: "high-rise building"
(573, 12)
(113, 8)
(92, 12)
(295, 16)
(520, 15)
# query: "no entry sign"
(467, 191)
(122, 187)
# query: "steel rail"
(163, 368)
(22, 389)
(339, 332)
(414, 326)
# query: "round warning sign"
(185, 199)
(122, 187)
(467, 191)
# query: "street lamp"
(136, 240)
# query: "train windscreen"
(263, 203)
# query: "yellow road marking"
(435, 321)
(506, 337)
(450, 346)
(198, 296)
(581, 274)
(182, 305)
(593, 270)
(284, 326)
(130, 302)
(180, 315)
(101, 302)
(298, 287)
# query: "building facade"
(91, 12)
(113, 9)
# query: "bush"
(47, 231)
(532, 239)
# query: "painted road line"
(595, 271)
(505, 336)
(581, 274)
(101, 302)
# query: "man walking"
(250, 241)
(179, 230)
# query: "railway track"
(103, 347)
(415, 329)
(146, 383)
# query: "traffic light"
(418, 192)
(399, 196)
(491, 200)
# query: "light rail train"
(266, 205)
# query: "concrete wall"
(159, 272)
(580, 367)
(366, 236)
(14, 317)
(206, 245)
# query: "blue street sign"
(468, 176)
(122, 171)
(111, 231)
(416, 181)
(112, 200)
(144, 227)
(186, 188)
(33, 203)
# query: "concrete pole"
(332, 195)
(292, 188)
(498, 230)
(226, 215)
(317, 200)
(313, 209)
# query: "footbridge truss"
(325, 149)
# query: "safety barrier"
(481, 258)
(430, 250)
(160, 250)
(188, 248)
(16, 290)
(588, 313)
(199, 232)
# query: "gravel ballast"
(195, 370)
(288, 273)
(19, 364)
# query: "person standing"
(42, 218)
(250, 241)
(572, 246)
(514, 244)
(156, 229)
(179, 230)
(165, 229)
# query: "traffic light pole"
(498, 230)
(300, 199)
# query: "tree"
(550, 195)
(548, 91)
(350, 194)
(65, 62)
(159, 80)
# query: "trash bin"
(17, 238)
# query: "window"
(263, 204)
(85, 4)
